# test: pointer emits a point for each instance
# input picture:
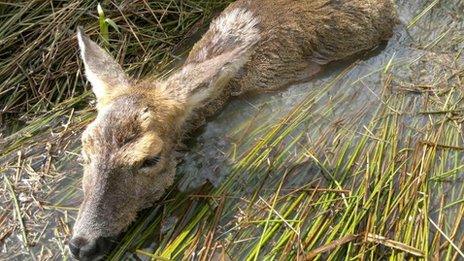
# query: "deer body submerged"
(252, 46)
(293, 39)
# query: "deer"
(253, 46)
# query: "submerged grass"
(366, 164)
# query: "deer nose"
(83, 249)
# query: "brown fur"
(300, 36)
(258, 45)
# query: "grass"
(365, 164)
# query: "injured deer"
(252, 46)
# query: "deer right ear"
(196, 82)
(102, 71)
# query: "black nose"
(83, 249)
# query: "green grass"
(366, 164)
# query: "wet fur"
(296, 39)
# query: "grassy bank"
(365, 162)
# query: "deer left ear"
(102, 71)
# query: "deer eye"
(150, 162)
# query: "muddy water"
(418, 55)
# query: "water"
(420, 56)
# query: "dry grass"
(365, 164)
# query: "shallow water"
(418, 56)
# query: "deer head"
(128, 150)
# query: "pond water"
(416, 72)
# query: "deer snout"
(95, 249)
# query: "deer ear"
(195, 82)
(102, 71)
